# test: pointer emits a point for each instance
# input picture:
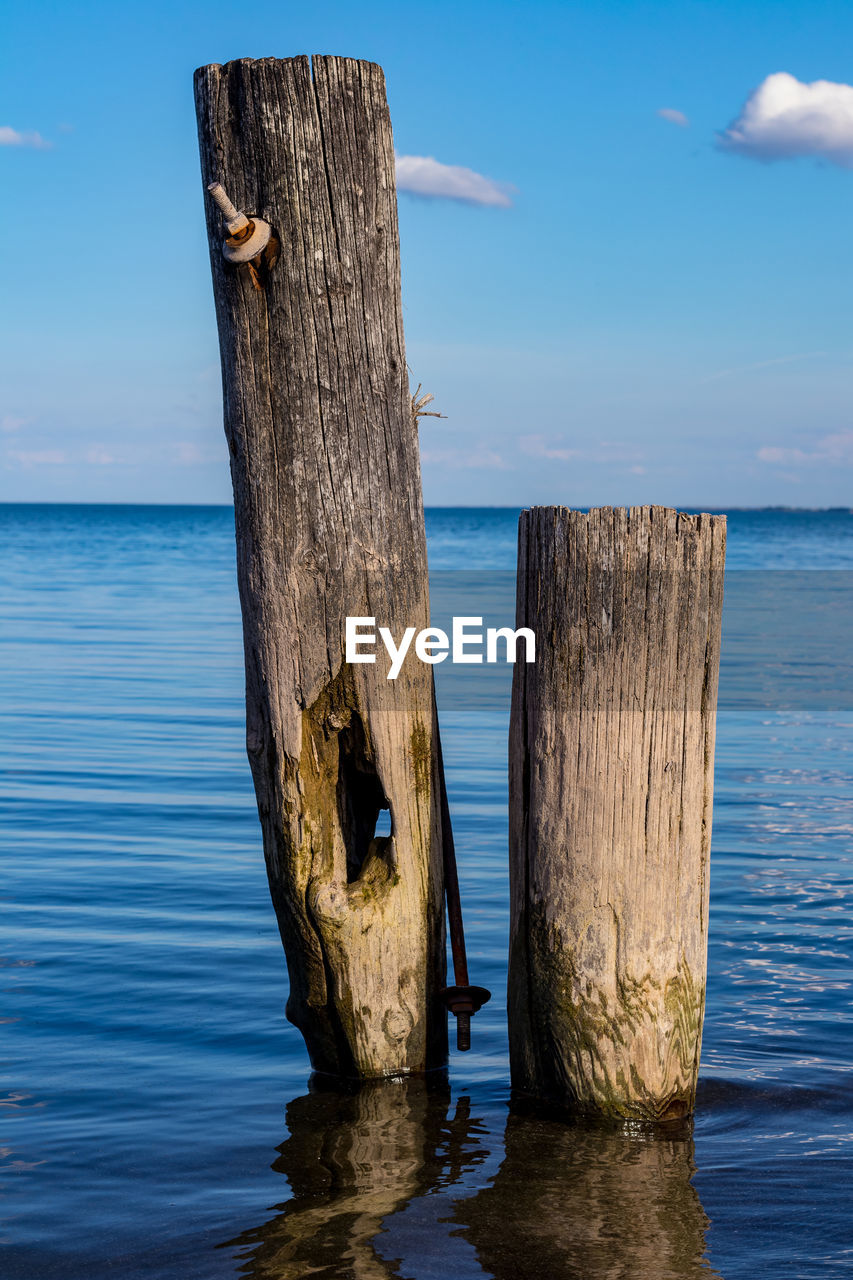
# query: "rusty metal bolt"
(247, 237)
(463, 1002)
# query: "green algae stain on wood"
(420, 755)
(611, 773)
(590, 1033)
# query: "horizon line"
(229, 506)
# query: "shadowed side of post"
(329, 524)
(611, 777)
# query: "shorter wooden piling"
(611, 778)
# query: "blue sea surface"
(156, 1115)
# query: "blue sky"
(654, 317)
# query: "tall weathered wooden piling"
(611, 776)
(329, 521)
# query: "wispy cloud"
(38, 457)
(9, 424)
(476, 459)
(188, 453)
(761, 364)
(98, 456)
(836, 448)
(539, 447)
(606, 451)
(184, 453)
(674, 117)
(427, 177)
(10, 137)
(784, 118)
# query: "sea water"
(156, 1115)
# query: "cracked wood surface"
(329, 523)
(611, 778)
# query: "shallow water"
(157, 1118)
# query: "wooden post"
(611, 777)
(329, 521)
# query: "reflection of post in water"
(573, 1202)
(353, 1158)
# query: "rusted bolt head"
(253, 241)
(247, 237)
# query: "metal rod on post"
(462, 999)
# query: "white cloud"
(187, 453)
(836, 449)
(99, 456)
(760, 364)
(38, 457)
(539, 447)
(606, 451)
(784, 117)
(476, 459)
(674, 117)
(425, 176)
(10, 137)
(9, 424)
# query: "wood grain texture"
(611, 777)
(329, 522)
